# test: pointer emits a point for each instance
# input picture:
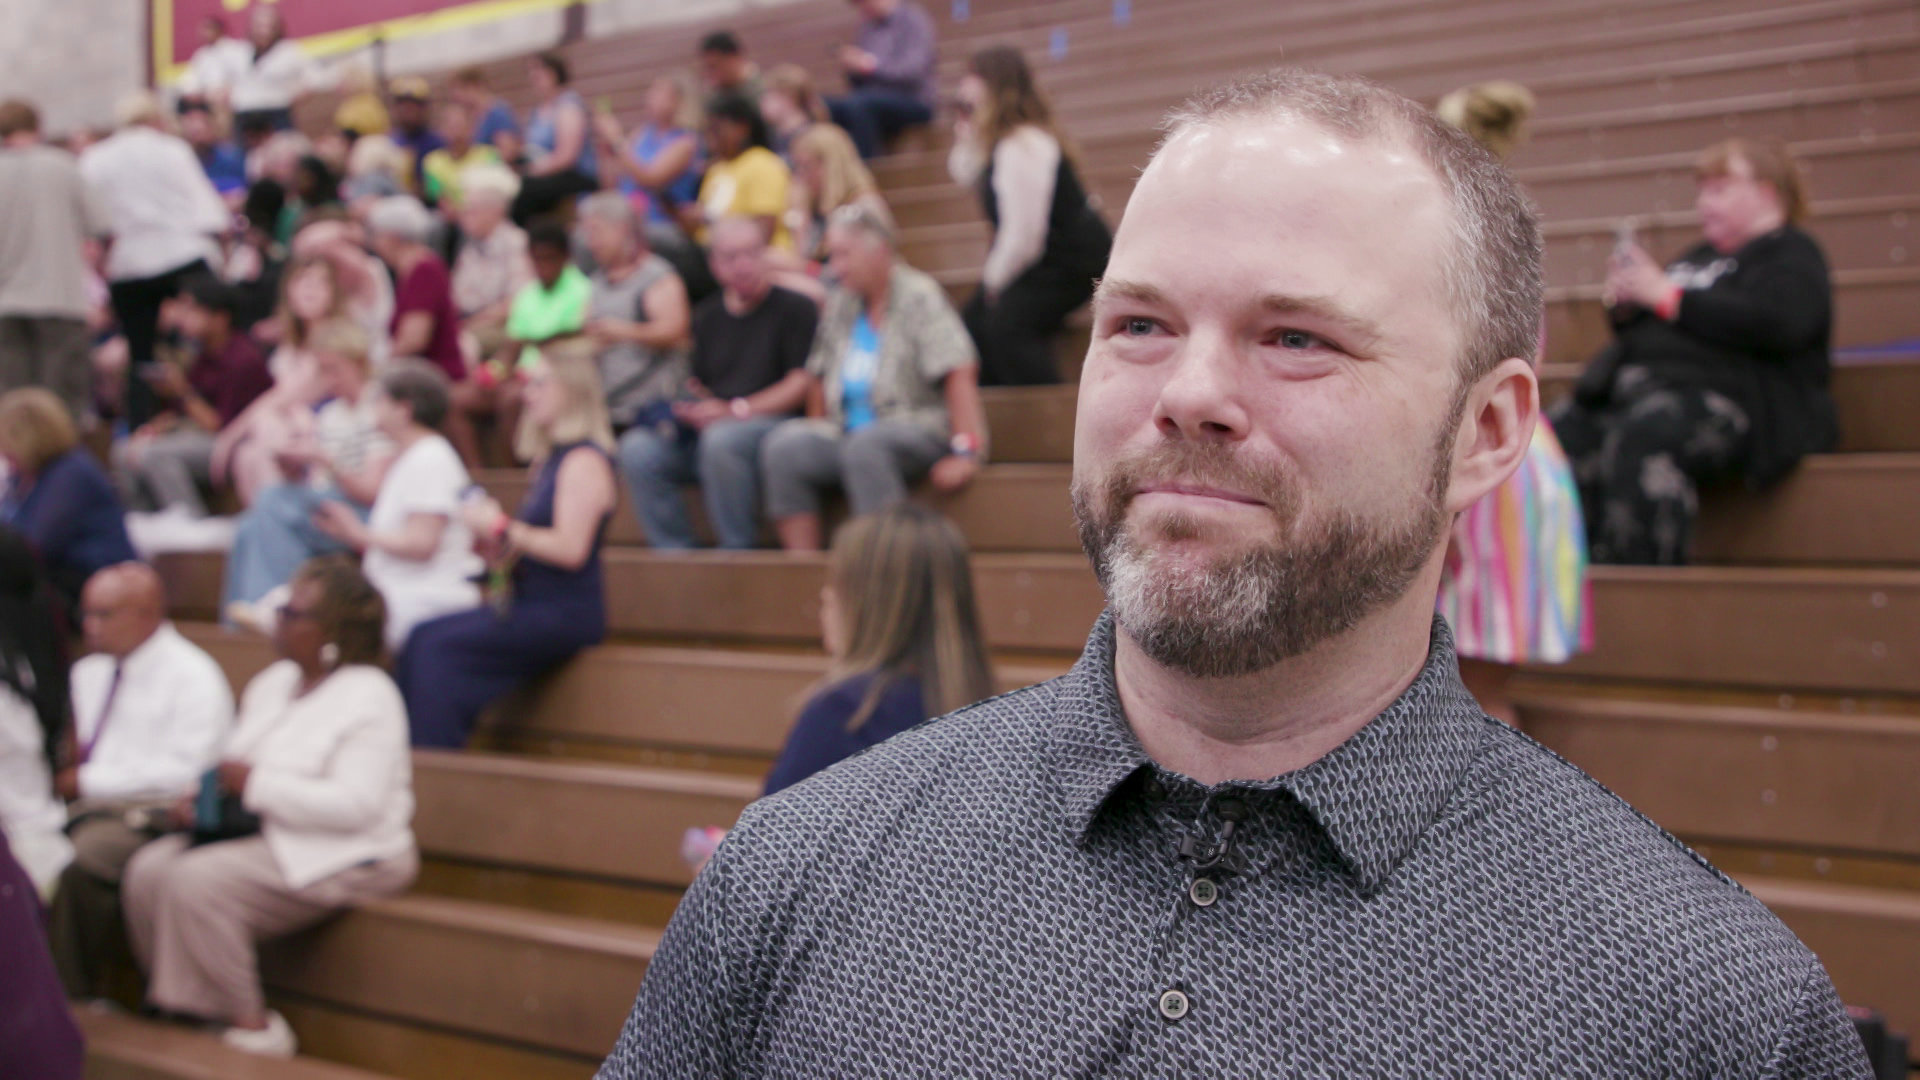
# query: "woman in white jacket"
(320, 755)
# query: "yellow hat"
(410, 88)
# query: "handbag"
(220, 815)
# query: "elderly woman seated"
(310, 812)
(1719, 366)
(894, 395)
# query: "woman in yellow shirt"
(745, 178)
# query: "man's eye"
(1297, 339)
(1137, 327)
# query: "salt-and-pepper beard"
(1259, 605)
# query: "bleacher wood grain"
(524, 977)
(121, 1046)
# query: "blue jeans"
(872, 116)
(274, 537)
(726, 464)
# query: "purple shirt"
(37, 1034)
(230, 380)
(903, 44)
(429, 288)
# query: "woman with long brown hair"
(899, 620)
(1049, 243)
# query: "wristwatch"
(740, 409)
(964, 445)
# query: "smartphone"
(1625, 236)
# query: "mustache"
(1206, 465)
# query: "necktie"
(106, 714)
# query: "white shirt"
(163, 209)
(332, 775)
(273, 80)
(1025, 165)
(170, 714)
(31, 815)
(427, 479)
(216, 67)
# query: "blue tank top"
(538, 584)
(683, 190)
(543, 131)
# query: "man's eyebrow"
(1109, 290)
(1365, 331)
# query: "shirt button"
(1174, 1004)
(1203, 892)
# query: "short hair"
(138, 107)
(550, 235)
(610, 206)
(421, 387)
(1492, 276)
(401, 216)
(861, 217)
(340, 337)
(722, 43)
(208, 291)
(35, 426)
(737, 221)
(556, 65)
(18, 116)
(351, 614)
(1771, 161)
(489, 179)
(471, 76)
(737, 109)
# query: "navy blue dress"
(455, 666)
(820, 738)
(73, 518)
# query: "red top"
(230, 379)
(429, 288)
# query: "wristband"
(1669, 306)
(500, 526)
(964, 445)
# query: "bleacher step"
(533, 979)
(121, 1046)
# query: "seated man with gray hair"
(750, 345)
(425, 322)
(893, 394)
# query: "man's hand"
(858, 61)
(699, 414)
(338, 521)
(233, 776)
(605, 332)
(168, 380)
(67, 782)
(953, 472)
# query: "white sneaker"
(276, 1040)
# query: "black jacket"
(1756, 326)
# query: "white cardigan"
(332, 775)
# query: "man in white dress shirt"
(151, 711)
(165, 217)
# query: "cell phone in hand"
(1625, 236)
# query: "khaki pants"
(83, 923)
(195, 914)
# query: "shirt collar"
(1374, 796)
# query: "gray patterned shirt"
(1004, 893)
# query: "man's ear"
(1495, 431)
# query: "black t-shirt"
(737, 355)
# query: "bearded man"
(1260, 829)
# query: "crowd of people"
(324, 334)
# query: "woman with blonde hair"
(1515, 586)
(545, 595)
(57, 496)
(661, 164)
(792, 105)
(828, 174)
(1049, 243)
(899, 619)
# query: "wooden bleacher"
(1764, 704)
